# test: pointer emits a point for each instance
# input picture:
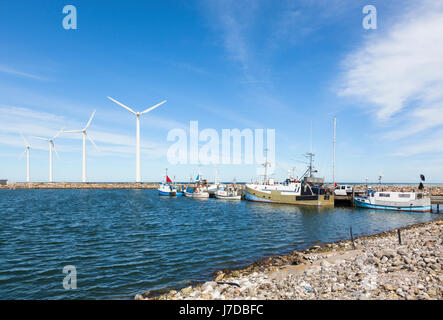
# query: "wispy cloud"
(14, 72)
(402, 67)
(397, 75)
(19, 120)
(235, 20)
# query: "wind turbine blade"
(24, 140)
(45, 139)
(73, 131)
(21, 156)
(87, 136)
(152, 108)
(89, 122)
(53, 147)
(57, 134)
(126, 107)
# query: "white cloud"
(405, 64)
(398, 75)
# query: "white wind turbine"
(27, 149)
(51, 146)
(85, 135)
(137, 151)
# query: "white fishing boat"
(197, 194)
(397, 201)
(229, 193)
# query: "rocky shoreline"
(370, 267)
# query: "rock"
(298, 259)
(219, 277)
(389, 287)
(236, 274)
(388, 253)
(325, 264)
(402, 251)
(208, 286)
(186, 290)
(432, 292)
(138, 297)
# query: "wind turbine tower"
(137, 147)
(51, 147)
(27, 150)
(85, 135)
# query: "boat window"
(404, 195)
(386, 195)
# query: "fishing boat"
(397, 201)
(167, 188)
(307, 192)
(227, 193)
(197, 193)
(289, 192)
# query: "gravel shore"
(378, 267)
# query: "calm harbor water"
(124, 242)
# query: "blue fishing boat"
(397, 201)
(168, 189)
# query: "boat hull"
(220, 197)
(196, 195)
(278, 197)
(362, 204)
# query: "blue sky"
(228, 64)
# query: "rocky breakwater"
(80, 185)
(371, 267)
(431, 190)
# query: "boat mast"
(266, 167)
(333, 154)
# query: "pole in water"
(352, 238)
(399, 236)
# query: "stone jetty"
(370, 267)
(79, 185)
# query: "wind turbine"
(51, 146)
(27, 148)
(85, 135)
(137, 150)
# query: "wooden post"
(399, 236)
(352, 238)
